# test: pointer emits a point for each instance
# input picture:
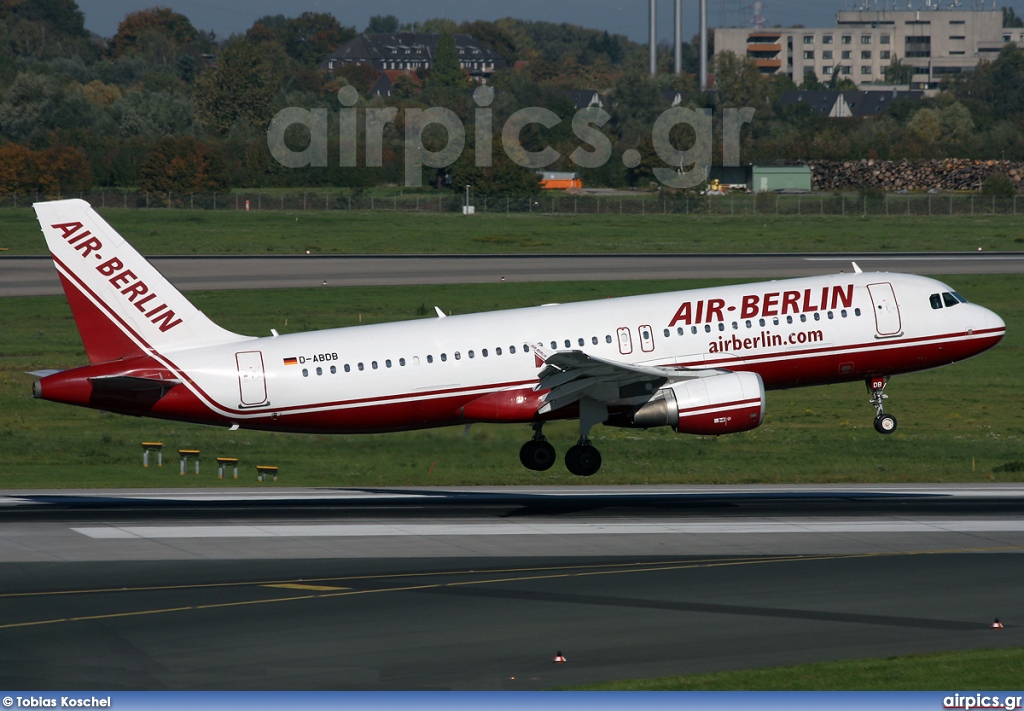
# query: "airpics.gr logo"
(682, 168)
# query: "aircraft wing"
(571, 375)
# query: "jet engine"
(718, 404)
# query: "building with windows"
(863, 43)
(409, 51)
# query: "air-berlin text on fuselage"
(774, 303)
(140, 295)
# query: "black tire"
(885, 424)
(583, 460)
(537, 455)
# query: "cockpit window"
(959, 298)
(949, 299)
(936, 301)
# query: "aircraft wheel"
(583, 460)
(886, 424)
(537, 455)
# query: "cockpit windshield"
(946, 298)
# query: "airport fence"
(737, 204)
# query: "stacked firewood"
(947, 174)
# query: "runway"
(470, 588)
(35, 276)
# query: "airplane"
(698, 361)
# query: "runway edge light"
(997, 625)
(559, 659)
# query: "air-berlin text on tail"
(134, 289)
(773, 303)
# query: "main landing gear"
(582, 459)
(885, 424)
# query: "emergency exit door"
(252, 382)
(887, 311)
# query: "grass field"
(961, 423)
(988, 670)
(363, 232)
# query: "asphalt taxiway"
(472, 588)
(35, 276)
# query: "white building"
(863, 43)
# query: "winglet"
(121, 304)
(440, 313)
(856, 269)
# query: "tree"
(998, 185)
(926, 125)
(446, 72)
(241, 87)
(311, 35)
(898, 73)
(383, 24)
(173, 26)
(183, 165)
(811, 82)
(62, 169)
(1010, 18)
(16, 162)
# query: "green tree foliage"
(241, 88)
(1010, 18)
(926, 125)
(383, 24)
(446, 72)
(899, 73)
(138, 27)
(998, 185)
(182, 166)
(312, 35)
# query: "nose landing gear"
(884, 424)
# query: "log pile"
(945, 175)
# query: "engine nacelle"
(719, 404)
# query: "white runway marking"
(549, 529)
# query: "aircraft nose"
(993, 323)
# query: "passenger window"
(761, 322)
(472, 354)
(387, 363)
(679, 330)
(374, 365)
(607, 339)
(484, 352)
(707, 328)
(526, 348)
(594, 340)
(430, 359)
(581, 341)
(512, 350)
(843, 312)
(361, 367)
(949, 299)
(458, 356)
(348, 368)
(856, 312)
(789, 319)
(319, 370)
(803, 318)
(831, 316)
(749, 324)
(735, 326)
(497, 351)
(936, 301)
(721, 326)
(401, 362)
(554, 345)
(667, 333)
(817, 316)
(444, 357)
(693, 329)
(305, 373)
(775, 320)
(568, 343)
(334, 370)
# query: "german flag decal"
(291, 361)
